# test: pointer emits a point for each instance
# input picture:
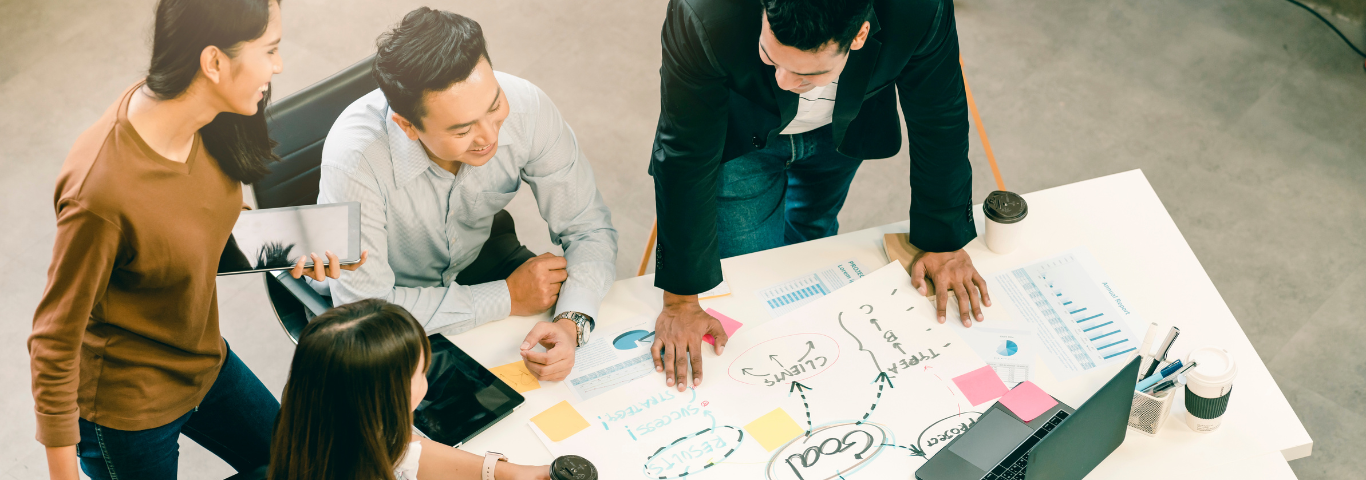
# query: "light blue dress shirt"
(423, 225)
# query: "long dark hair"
(184, 28)
(345, 412)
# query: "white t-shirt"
(407, 466)
(815, 109)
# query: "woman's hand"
(61, 463)
(321, 271)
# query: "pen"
(1167, 370)
(1149, 382)
(1166, 347)
(1147, 347)
(1167, 385)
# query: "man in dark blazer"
(767, 109)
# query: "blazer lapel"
(854, 81)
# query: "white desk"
(1123, 223)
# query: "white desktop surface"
(1118, 218)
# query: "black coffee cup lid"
(573, 467)
(1005, 207)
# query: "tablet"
(463, 398)
(275, 238)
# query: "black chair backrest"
(300, 123)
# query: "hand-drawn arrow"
(881, 379)
(775, 360)
(713, 419)
(874, 322)
(915, 452)
(801, 390)
(746, 372)
(840, 319)
(897, 346)
(809, 347)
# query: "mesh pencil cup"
(1149, 412)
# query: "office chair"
(300, 123)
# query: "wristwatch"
(584, 323)
(491, 460)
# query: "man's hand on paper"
(559, 339)
(678, 333)
(535, 285)
(951, 271)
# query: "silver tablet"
(275, 238)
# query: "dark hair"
(808, 24)
(345, 412)
(429, 51)
(184, 28)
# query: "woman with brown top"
(126, 353)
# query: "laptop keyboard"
(1013, 467)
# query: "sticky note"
(980, 385)
(728, 324)
(774, 429)
(1028, 401)
(517, 376)
(560, 421)
(720, 290)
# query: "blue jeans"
(234, 421)
(788, 192)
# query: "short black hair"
(808, 24)
(429, 51)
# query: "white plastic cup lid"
(1214, 366)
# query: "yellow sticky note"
(561, 421)
(517, 376)
(774, 429)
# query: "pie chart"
(633, 339)
(1007, 348)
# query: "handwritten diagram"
(856, 384)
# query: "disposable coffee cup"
(572, 467)
(1005, 212)
(1208, 387)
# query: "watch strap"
(491, 460)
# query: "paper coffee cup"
(1005, 212)
(1208, 387)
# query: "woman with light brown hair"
(347, 409)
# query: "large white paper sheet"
(863, 375)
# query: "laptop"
(1061, 444)
(463, 398)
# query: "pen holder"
(1149, 413)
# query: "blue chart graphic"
(808, 292)
(633, 339)
(1007, 348)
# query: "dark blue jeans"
(788, 192)
(234, 421)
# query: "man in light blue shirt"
(433, 156)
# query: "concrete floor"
(1246, 115)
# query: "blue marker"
(1153, 380)
(1171, 368)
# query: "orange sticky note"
(560, 421)
(774, 429)
(517, 376)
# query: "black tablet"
(275, 238)
(463, 398)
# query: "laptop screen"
(1088, 436)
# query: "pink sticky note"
(1028, 401)
(980, 385)
(727, 323)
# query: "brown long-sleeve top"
(126, 335)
